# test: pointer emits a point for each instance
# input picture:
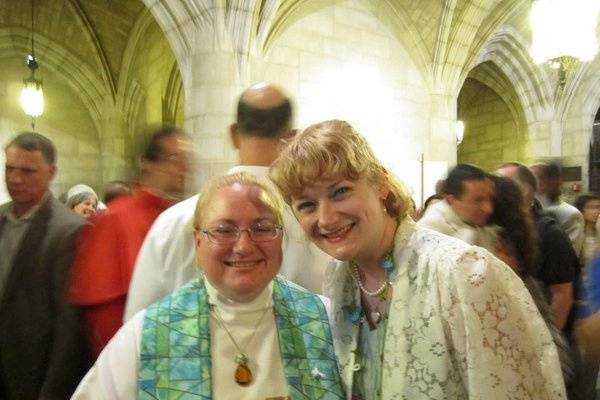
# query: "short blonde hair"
(330, 149)
(269, 196)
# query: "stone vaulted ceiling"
(93, 32)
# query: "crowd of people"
(302, 273)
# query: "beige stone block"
(281, 73)
(215, 98)
(319, 23)
(193, 124)
(215, 125)
(355, 18)
(494, 132)
(211, 148)
(539, 148)
(510, 152)
(284, 55)
(200, 98)
(568, 148)
(381, 52)
(342, 49)
(486, 107)
(315, 66)
(306, 41)
(490, 145)
(509, 128)
(342, 32)
(215, 68)
(540, 130)
(369, 40)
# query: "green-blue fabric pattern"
(175, 350)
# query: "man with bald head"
(167, 258)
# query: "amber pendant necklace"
(242, 374)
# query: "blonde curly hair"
(331, 149)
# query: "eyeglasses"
(230, 234)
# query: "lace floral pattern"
(461, 325)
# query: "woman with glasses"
(416, 314)
(238, 331)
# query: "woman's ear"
(197, 238)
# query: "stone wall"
(338, 62)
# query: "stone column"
(442, 137)
(212, 87)
(116, 146)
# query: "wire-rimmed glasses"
(229, 234)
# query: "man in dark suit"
(42, 352)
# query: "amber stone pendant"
(243, 375)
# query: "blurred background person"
(431, 200)
(82, 200)
(115, 189)
(106, 257)
(238, 331)
(548, 193)
(466, 207)
(516, 239)
(587, 330)
(558, 264)
(515, 242)
(589, 206)
(558, 269)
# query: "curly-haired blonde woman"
(417, 315)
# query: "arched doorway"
(495, 125)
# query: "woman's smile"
(245, 264)
(338, 234)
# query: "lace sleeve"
(500, 341)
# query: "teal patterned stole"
(175, 349)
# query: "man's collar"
(452, 216)
(29, 214)
(545, 200)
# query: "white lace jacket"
(461, 325)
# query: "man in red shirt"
(109, 247)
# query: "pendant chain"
(243, 374)
(222, 323)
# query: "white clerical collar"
(228, 306)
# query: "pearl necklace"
(375, 293)
(388, 265)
